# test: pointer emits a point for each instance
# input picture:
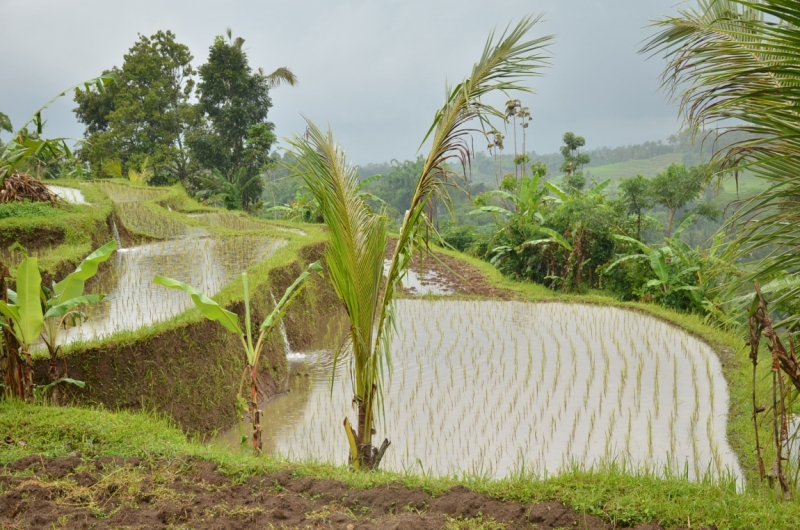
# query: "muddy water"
(421, 281)
(495, 387)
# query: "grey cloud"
(374, 70)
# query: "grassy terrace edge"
(610, 492)
(74, 231)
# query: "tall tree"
(636, 197)
(144, 117)
(574, 161)
(675, 188)
(236, 137)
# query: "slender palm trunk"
(368, 456)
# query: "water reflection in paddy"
(132, 300)
(490, 387)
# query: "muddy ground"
(72, 492)
(457, 275)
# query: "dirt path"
(37, 492)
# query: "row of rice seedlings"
(486, 385)
(133, 301)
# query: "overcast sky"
(374, 70)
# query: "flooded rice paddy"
(133, 300)
(188, 253)
(499, 387)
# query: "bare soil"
(72, 492)
(458, 275)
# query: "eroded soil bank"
(102, 493)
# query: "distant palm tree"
(357, 247)
(736, 64)
(275, 79)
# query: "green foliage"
(461, 238)
(226, 190)
(142, 120)
(34, 311)
(574, 160)
(675, 188)
(636, 197)
(28, 151)
(28, 209)
(235, 136)
(61, 302)
(551, 236)
(748, 52)
(355, 256)
(397, 187)
(212, 310)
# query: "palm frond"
(280, 76)
(503, 66)
(358, 236)
(736, 64)
(356, 251)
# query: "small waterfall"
(116, 235)
(290, 355)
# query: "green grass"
(610, 492)
(748, 184)
(35, 210)
(77, 222)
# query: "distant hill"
(648, 167)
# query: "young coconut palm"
(357, 248)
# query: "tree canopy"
(143, 117)
(234, 100)
(147, 124)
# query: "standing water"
(133, 300)
(496, 387)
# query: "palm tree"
(736, 64)
(357, 248)
(280, 76)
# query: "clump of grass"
(28, 209)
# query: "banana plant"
(35, 311)
(28, 145)
(674, 266)
(62, 301)
(21, 317)
(230, 321)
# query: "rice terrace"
(206, 325)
